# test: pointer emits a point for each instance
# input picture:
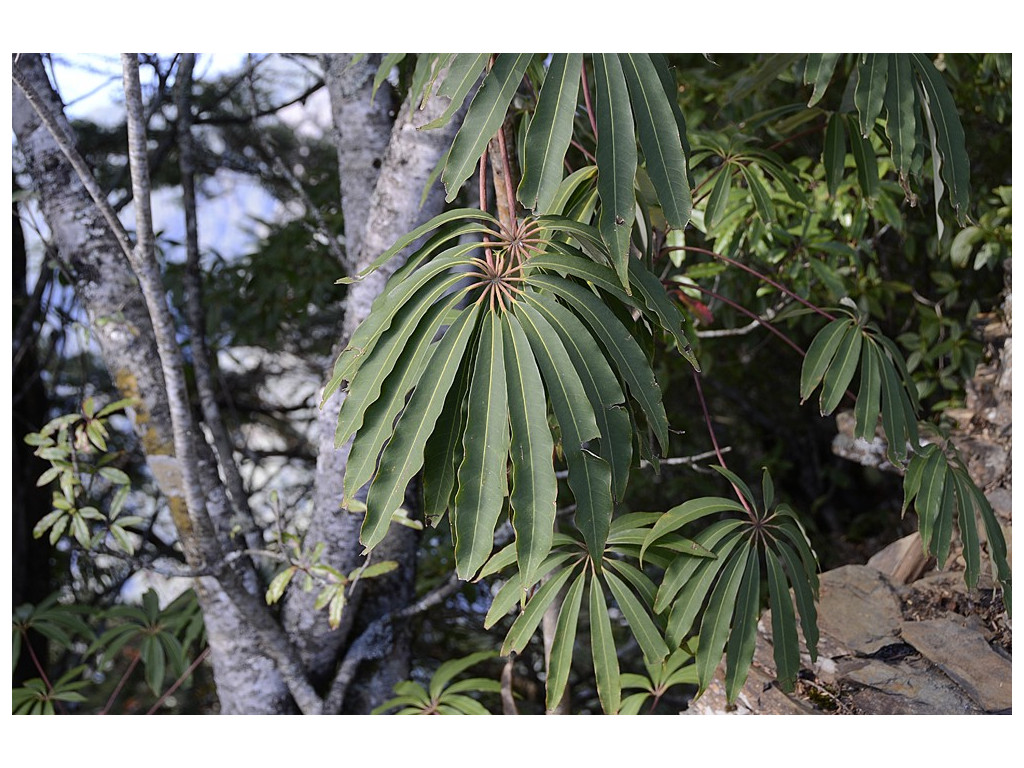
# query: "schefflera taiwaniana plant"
(461, 361)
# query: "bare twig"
(177, 683)
(194, 306)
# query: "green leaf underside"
(630, 361)
(714, 626)
(616, 160)
(602, 643)
(550, 132)
(680, 571)
(482, 475)
(534, 486)
(565, 638)
(601, 386)
(762, 201)
(659, 137)
(403, 455)
(786, 647)
(483, 119)
(511, 592)
(589, 475)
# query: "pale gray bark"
(379, 206)
(94, 253)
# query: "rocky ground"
(898, 636)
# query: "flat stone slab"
(908, 687)
(859, 609)
(963, 654)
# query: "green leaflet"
(589, 475)
(630, 361)
(872, 75)
(762, 201)
(840, 372)
(384, 309)
(534, 487)
(526, 624)
(671, 89)
(864, 157)
(743, 637)
(820, 354)
(802, 589)
(589, 239)
(643, 628)
(565, 638)
(968, 529)
(900, 108)
(550, 132)
(787, 648)
(680, 571)
(449, 669)
(378, 363)
(956, 167)
(511, 591)
(995, 539)
(658, 304)
(616, 160)
(443, 452)
(482, 475)
(600, 384)
(388, 63)
(714, 626)
(686, 513)
(463, 74)
(403, 455)
(943, 534)
(659, 137)
(566, 189)
(834, 157)
(818, 71)
(898, 419)
(379, 421)
(485, 115)
(435, 223)
(718, 201)
(869, 395)
(602, 644)
(636, 578)
(929, 499)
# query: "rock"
(966, 658)
(907, 687)
(903, 561)
(859, 609)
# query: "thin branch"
(714, 440)
(120, 684)
(177, 683)
(369, 644)
(756, 274)
(284, 171)
(193, 301)
(743, 310)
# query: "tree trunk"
(247, 679)
(382, 184)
